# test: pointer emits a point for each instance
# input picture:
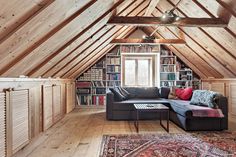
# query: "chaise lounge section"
(185, 115)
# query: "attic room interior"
(117, 78)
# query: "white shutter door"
(19, 102)
(232, 99)
(57, 106)
(69, 98)
(2, 125)
(47, 107)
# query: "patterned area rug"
(202, 144)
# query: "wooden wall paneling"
(20, 119)
(47, 106)
(232, 99)
(218, 87)
(70, 105)
(15, 14)
(2, 124)
(35, 101)
(57, 102)
(193, 44)
(202, 37)
(206, 85)
(177, 53)
(67, 51)
(68, 30)
(66, 72)
(88, 44)
(35, 32)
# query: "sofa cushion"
(164, 92)
(184, 94)
(181, 107)
(204, 98)
(143, 92)
(117, 94)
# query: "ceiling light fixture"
(170, 16)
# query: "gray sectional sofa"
(181, 112)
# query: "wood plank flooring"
(79, 134)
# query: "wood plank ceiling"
(58, 38)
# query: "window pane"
(129, 72)
(143, 73)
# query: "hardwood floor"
(79, 134)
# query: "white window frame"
(152, 57)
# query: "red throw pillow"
(184, 94)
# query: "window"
(138, 70)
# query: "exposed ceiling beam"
(151, 7)
(145, 41)
(154, 21)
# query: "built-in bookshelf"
(174, 73)
(113, 68)
(92, 84)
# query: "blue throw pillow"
(204, 98)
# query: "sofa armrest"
(109, 104)
(222, 103)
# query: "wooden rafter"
(229, 70)
(136, 10)
(130, 41)
(46, 37)
(151, 7)
(77, 36)
(19, 24)
(159, 21)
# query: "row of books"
(83, 90)
(167, 68)
(139, 49)
(166, 53)
(92, 100)
(98, 83)
(167, 76)
(113, 83)
(99, 91)
(96, 74)
(113, 68)
(113, 77)
(113, 60)
(167, 83)
(167, 60)
(83, 84)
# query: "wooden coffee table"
(159, 108)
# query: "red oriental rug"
(202, 144)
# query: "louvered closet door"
(57, 106)
(47, 107)
(19, 108)
(232, 98)
(2, 125)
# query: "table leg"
(136, 124)
(167, 123)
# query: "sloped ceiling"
(62, 38)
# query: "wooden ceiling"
(62, 38)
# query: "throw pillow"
(204, 98)
(117, 94)
(184, 94)
(124, 92)
(164, 93)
